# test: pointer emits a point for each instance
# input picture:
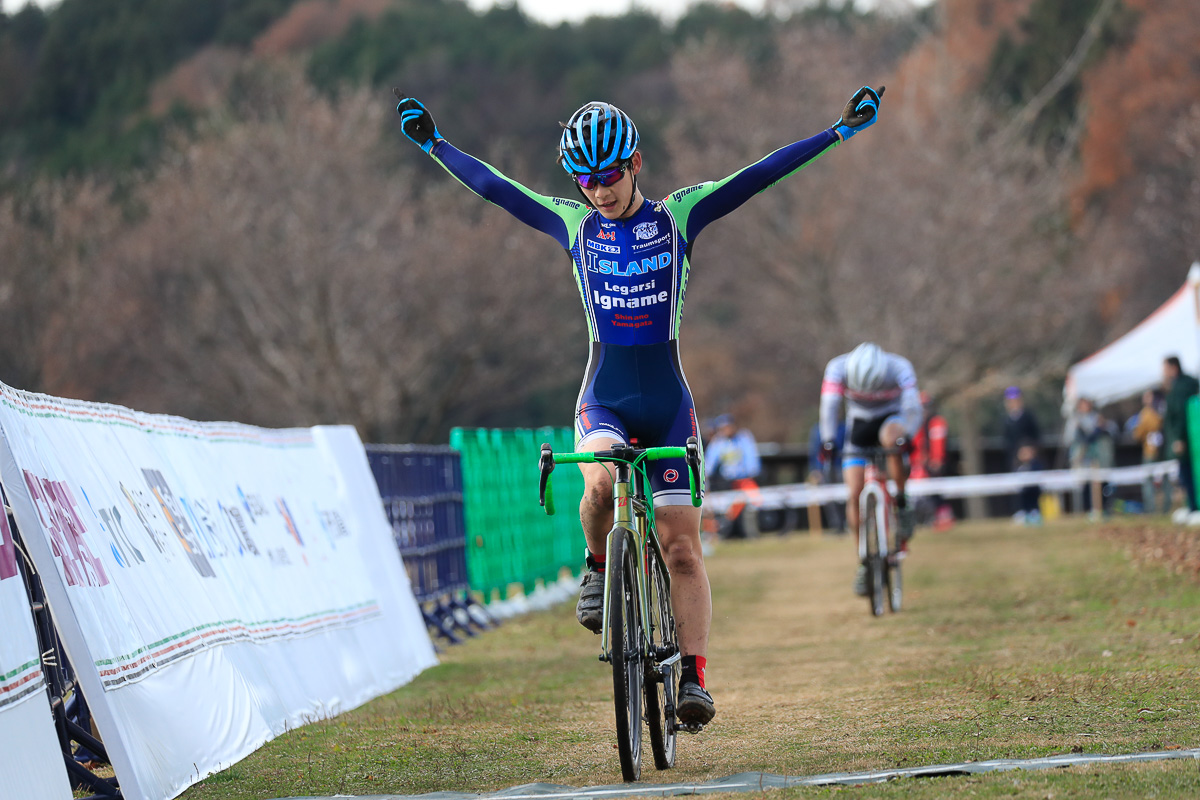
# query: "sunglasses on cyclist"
(593, 180)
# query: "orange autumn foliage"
(311, 22)
(1135, 97)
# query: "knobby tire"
(875, 566)
(660, 688)
(894, 579)
(625, 633)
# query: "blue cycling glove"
(860, 113)
(416, 122)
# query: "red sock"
(692, 668)
(596, 562)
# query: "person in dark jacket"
(1021, 431)
(1180, 388)
(1020, 426)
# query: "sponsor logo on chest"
(645, 230)
(634, 266)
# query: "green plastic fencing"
(510, 539)
(1193, 433)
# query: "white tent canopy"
(1133, 363)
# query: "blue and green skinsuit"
(632, 274)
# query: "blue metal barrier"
(422, 491)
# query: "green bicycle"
(638, 631)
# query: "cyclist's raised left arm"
(711, 200)
(705, 202)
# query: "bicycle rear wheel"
(661, 682)
(875, 565)
(625, 648)
(893, 577)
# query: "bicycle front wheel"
(875, 565)
(660, 681)
(893, 578)
(625, 649)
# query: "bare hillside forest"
(218, 217)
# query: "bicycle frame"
(874, 485)
(632, 514)
(629, 514)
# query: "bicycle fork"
(623, 525)
(873, 489)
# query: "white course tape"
(801, 495)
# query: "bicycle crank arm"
(675, 726)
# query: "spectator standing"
(731, 461)
(1020, 425)
(1020, 430)
(929, 457)
(1180, 388)
(1029, 460)
(827, 468)
(1091, 441)
(929, 443)
(1148, 431)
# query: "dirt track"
(1014, 643)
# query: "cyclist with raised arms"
(883, 406)
(630, 258)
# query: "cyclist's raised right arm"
(550, 215)
(555, 217)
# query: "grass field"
(1015, 642)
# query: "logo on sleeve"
(671, 475)
(682, 193)
(645, 230)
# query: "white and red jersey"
(898, 395)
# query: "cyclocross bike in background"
(879, 548)
(638, 632)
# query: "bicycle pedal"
(690, 727)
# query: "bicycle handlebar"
(902, 447)
(545, 488)
(621, 454)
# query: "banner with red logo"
(214, 584)
(31, 761)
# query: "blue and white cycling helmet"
(597, 137)
(866, 368)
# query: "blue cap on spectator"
(1012, 391)
(723, 420)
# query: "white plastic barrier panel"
(214, 584)
(31, 761)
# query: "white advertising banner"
(214, 584)
(31, 760)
